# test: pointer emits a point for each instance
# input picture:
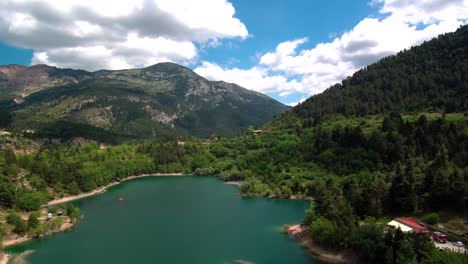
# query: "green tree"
(13, 218)
(310, 214)
(33, 220)
(438, 180)
(1, 239)
(73, 212)
(30, 201)
(20, 227)
(325, 232)
(7, 193)
(403, 190)
(73, 188)
(431, 218)
(367, 240)
(405, 253)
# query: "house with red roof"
(408, 225)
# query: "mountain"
(135, 103)
(18, 81)
(432, 77)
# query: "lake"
(198, 220)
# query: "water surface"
(197, 220)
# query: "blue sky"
(289, 50)
(272, 22)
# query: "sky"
(289, 50)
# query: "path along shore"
(102, 189)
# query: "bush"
(73, 188)
(33, 220)
(255, 187)
(52, 209)
(367, 240)
(234, 174)
(73, 212)
(310, 214)
(30, 201)
(20, 227)
(432, 218)
(204, 171)
(13, 218)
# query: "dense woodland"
(353, 173)
(430, 77)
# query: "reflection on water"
(21, 258)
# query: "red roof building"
(413, 225)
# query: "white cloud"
(405, 23)
(256, 78)
(424, 11)
(298, 102)
(94, 34)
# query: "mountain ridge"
(141, 102)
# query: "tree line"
(429, 77)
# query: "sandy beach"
(104, 188)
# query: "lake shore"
(304, 237)
(4, 258)
(235, 183)
(19, 240)
(102, 189)
(273, 196)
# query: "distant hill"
(432, 77)
(162, 99)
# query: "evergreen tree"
(438, 180)
(33, 221)
(405, 253)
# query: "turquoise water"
(197, 220)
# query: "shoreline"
(4, 258)
(103, 189)
(272, 196)
(13, 242)
(304, 238)
(235, 183)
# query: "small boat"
(120, 199)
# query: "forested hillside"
(429, 77)
(398, 166)
(162, 100)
